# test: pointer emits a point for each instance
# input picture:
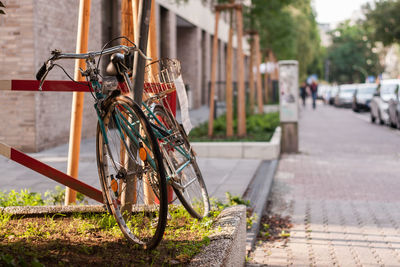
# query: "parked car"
(331, 94)
(322, 89)
(380, 101)
(363, 96)
(344, 98)
(394, 110)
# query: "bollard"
(288, 105)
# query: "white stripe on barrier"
(5, 84)
(5, 150)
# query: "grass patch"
(260, 128)
(27, 198)
(95, 239)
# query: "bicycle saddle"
(116, 62)
(119, 63)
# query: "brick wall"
(51, 32)
(29, 31)
(17, 116)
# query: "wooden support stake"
(128, 196)
(127, 21)
(251, 76)
(213, 75)
(229, 89)
(241, 90)
(152, 52)
(77, 99)
(258, 74)
(266, 87)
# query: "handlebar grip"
(41, 72)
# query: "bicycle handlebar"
(47, 66)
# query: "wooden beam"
(128, 196)
(213, 75)
(258, 74)
(127, 21)
(251, 76)
(223, 7)
(266, 87)
(77, 99)
(240, 62)
(229, 89)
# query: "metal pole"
(143, 39)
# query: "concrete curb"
(227, 246)
(258, 193)
(247, 150)
(42, 210)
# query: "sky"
(333, 11)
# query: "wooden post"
(152, 46)
(258, 74)
(152, 52)
(127, 21)
(266, 87)
(251, 75)
(128, 196)
(213, 75)
(240, 61)
(229, 89)
(77, 99)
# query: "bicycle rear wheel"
(128, 151)
(180, 163)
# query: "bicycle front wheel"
(180, 163)
(131, 172)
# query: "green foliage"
(289, 29)
(260, 127)
(383, 20)
(23, 198)
(351, 54)
(27, 198)
(57, 196)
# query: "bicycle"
(127, 149)
(183, 173)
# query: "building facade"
(33, 121)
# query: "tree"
(289, 29)
(351, 54)
(383, 21)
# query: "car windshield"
(367, 90)
(347, 90)
(387, 89)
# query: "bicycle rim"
(183, 172)
(141, 210)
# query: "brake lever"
(49, 68)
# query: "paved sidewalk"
(220, 175)
(341, 192)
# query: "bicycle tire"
(195, 196)
(145, 223)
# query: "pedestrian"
(314, 91)
(303, 92)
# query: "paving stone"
(341, 192)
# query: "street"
(341, 192)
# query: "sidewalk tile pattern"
(341, 192)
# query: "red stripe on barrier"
(56, 175)
(49, 86)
